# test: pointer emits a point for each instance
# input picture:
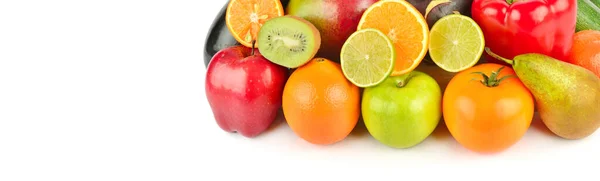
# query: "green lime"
(367, 57)
(456, 43)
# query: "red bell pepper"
(527, 26)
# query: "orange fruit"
(320, 105)
(405, 26)
(586, 50)
(245, 17)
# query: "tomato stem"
(403, 80)
(509, 61)
(492, 80)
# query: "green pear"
(567, 96)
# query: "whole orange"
(586, 50)
(320, 105)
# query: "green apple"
(402, 111)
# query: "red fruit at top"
(515, 27)
(335, 19)
(244, 90)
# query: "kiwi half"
(288, 41)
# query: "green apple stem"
(509, 61)
(404, 80)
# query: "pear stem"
(509, 61)
(404, 80)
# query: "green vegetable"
(588, 15)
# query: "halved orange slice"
(405, 26)
(245, 17)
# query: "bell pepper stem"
(509, 61)
(510, 1)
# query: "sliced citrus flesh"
(367, 57)
(456, 44)
(405, 26)
(245, 17)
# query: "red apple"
(335, 19)
(244, 90)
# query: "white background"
(114, 90)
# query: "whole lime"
(404, 110)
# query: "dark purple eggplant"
(219, 37)
(433, 10)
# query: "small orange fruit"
(320, 105)
(245, 17)
(405, 26)
(586, 50)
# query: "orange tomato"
(586, 50)
(320, 105)
(487, 116)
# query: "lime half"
(456, 43)
(367, 57)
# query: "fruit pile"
(331, 63)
